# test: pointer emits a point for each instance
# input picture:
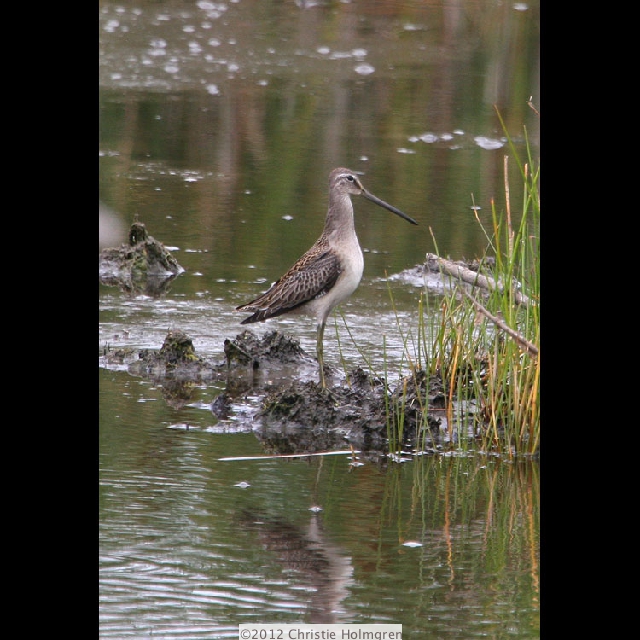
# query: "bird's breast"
(351, 260)
(351, 268)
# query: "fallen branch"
(436, 263)
(520, 339)
(289, 455)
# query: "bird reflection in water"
(317, 562)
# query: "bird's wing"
(312, 276)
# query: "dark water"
(219, 124)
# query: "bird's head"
(345, 182)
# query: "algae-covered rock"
(176, 359)
(144, 265)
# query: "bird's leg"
(319, 352)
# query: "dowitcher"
(330, 271)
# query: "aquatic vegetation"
(482, 342)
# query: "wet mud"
(294, 415)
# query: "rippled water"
(190, 545)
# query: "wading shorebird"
(330, 271)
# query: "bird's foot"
(325, 390)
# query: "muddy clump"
(295, 416)
(305, 417)
(175, 368)
(175, 363)
(177, 358)
(362, 414)
(252, 364)
(144, 265)
(274, 347)
(412, 403)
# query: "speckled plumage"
(312, 276)
(330, 271)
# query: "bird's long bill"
(386, 205)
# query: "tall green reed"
(483, 344)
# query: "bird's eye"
(350, 178)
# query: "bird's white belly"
(347, 283)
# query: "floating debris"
(394, 457)
(364, 69)
(489, 143)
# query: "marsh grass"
(483, 345)
(486, 348)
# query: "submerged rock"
(142, 266)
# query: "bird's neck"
(339, 218)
